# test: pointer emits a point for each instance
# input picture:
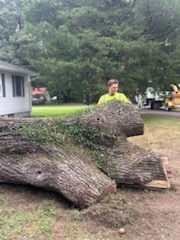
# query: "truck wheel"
(167, 108)
(155, 105)
(151, 104)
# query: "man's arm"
(124, 98)
(100, 101)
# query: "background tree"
(77, 45)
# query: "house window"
(2, 85)
(18, 86)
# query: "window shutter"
(23, 92)
(3, 85)
(13, 85)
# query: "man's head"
(112, 86)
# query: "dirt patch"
(160, 217)
(143, 214)
(114, 213)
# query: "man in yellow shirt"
(112, 93)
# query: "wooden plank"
(158, 184)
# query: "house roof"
(4, 66)
(39, 91)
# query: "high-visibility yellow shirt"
(106, 98)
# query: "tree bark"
(124, 162)
(79, 184)
(62, 171)
(60, 154)
(131, 165)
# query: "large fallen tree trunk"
(60, 153)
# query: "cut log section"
(158, 184)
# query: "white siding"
(15, 105)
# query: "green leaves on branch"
(78, 45)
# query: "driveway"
(160, 112)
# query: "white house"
(15, 90)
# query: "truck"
(157, 99)
(173, 101)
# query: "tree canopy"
(77, 45)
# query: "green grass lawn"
(152, 120)
(58, 110)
